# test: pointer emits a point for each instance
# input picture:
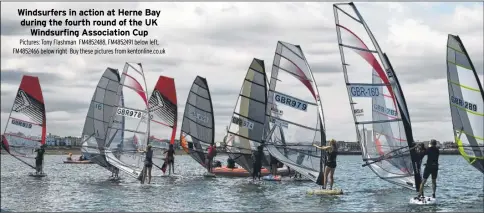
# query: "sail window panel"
(253, 91)
(462, 61)
(292, 63)
(292, 135)
(256, 77)
(200, 91)
(288, 85)
(199, 102)
(451, 55)
(251, 109)
(291, 47)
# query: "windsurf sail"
(294, 113)
(136, 116)
(103, 104)
(198, 128)
(163, 108)
(246, 128)
(26, 125)
(377, 102)
(466, 98)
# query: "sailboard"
(294, 114)
(377, 102)
(164, 113)
(466, 99)
(198, 128)
(136, 124)
(103, 103)
(246, 129)
(25, 130)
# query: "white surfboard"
(423, 201)
(325, 192)
(272, 178)
(209, 175)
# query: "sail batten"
(466, 100)
(164, 110)
(377, 102)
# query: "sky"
(219, 40)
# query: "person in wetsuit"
(257, 162)
(148, 163)
(431, 168)
(170, 159)
(39, 159)
(231, 163)
(274, 163)
(212, 152)
(332, 153)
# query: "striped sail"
(246, 129)
(164, 112)
(466, 98)
(198, 128)
(294, 113)
(379, 109)
(26, 125)
(103, 103)
(136, 125)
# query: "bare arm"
(322, 147)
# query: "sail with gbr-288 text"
(379, 108)
(136, 125)
(295, 115)
(466, 98)
(26, 125)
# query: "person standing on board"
(212, 152)
(170, 159)
(274, 163)
(332, 150)
(148, 163)
(39, 159)
(431, 168)
(257, 162)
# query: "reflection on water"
(71, 187)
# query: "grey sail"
(197, 131)
(466, 99)
(103, 104)
(246, 129)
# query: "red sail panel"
(163, 104)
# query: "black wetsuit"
(149, 159)
(331, 159)
(257, 164)
(230, 163)
(39, 158)
(432, 166)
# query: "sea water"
(73, 187)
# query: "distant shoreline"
(77, 151)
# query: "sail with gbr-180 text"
(294, 113)
(25, 130)
(379, 109)
(466, 98)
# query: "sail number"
(279, 123)
(384, 110)
(462, 103)
(98, 106)
(364, 91)
(22, 124)
(199, 116)
(242, 122)
(129, 113)
(292, 102)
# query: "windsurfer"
(148, 163)
(332, 150)
(170, 159)
(257, 162)
(39, 159)
(274, 163)
(431, 168)
(212, 152)
(69, 158)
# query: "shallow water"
(70, 187)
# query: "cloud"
(219, 40)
